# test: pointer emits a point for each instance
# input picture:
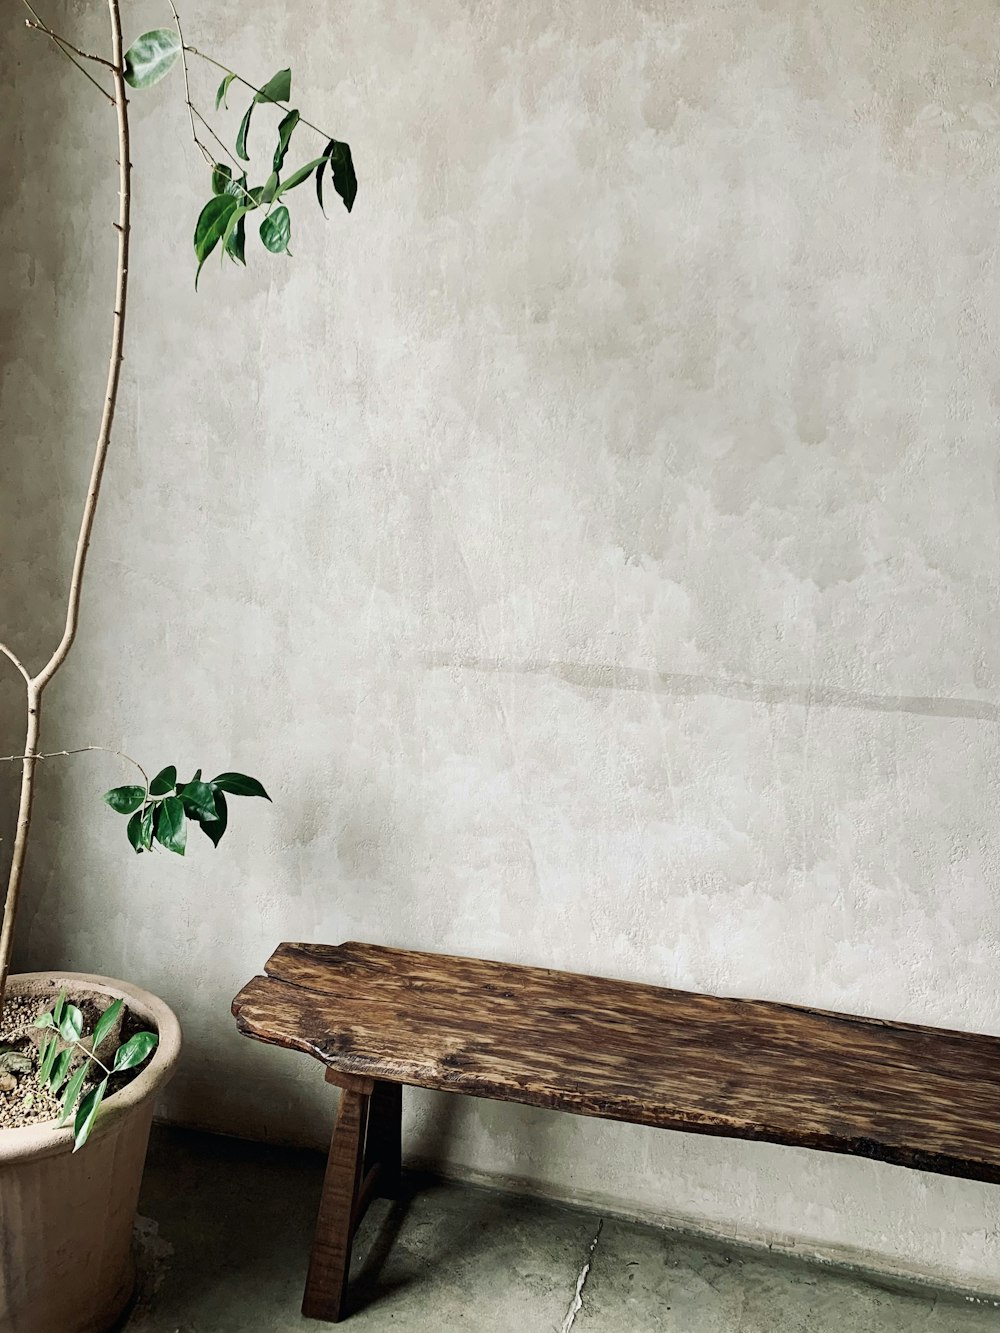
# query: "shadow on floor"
(225, 1229)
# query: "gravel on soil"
(28, 1103)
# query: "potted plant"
(82, 1057)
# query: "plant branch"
(39, 26)
(253, 88)
(65, 47)
(232, 157)
(13, 657)
(193, 110)
(187, 83)
(83, 749)
(24, 808)
(91, 1056)
(114, 367)
(36, 684)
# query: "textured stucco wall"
(592, 542)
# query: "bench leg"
(330, 1260)
(384, 1146)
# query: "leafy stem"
(77, 1044)
(253, 88)
(65, 1022)
(193, 111)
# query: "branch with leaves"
(159, 812)
(222, 221)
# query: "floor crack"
(576, 1304)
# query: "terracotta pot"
(66, 1218)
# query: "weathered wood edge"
(274, 971)
(625, 1110)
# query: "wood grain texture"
(914, 1096)
(330, 1258)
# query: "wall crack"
(576, 1304)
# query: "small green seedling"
(56, 1059)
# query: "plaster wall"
(592, 542)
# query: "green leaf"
(345, 182)
(215, 828)
(60, 1069)
(220, 96)
(170, 826)
(277, 89)
(72, 1091)
(301, 174)
(199, 800)
(106, 1022)
(44, 1021)
(222, 178)
(285, 129)
(237, 187)
(276, 231)
(135, 1051)
(165, 780)
(319, 183)
(86, 1115)
(151, 56)
(134, 830)
(238, 784)
(49, 1050)
(124, 800)
(140, 829)
(234, 243)
(59, 1008)
(270, 188)
(241, 133)
(209, 228)
(71, 1024)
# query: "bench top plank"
(914, 1096)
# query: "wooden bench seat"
(379, 1018)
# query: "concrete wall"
(592, 542)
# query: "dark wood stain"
(914, 1096)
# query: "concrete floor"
(225, 1232)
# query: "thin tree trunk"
(21, 836)
(36, 684)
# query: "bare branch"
(7, 652)
(38, 26)
(114, 368)
(184, 64)
(65, 47)
(232, 157)
(83, 749)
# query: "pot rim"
(44, 1139)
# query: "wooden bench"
(379, 1018)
